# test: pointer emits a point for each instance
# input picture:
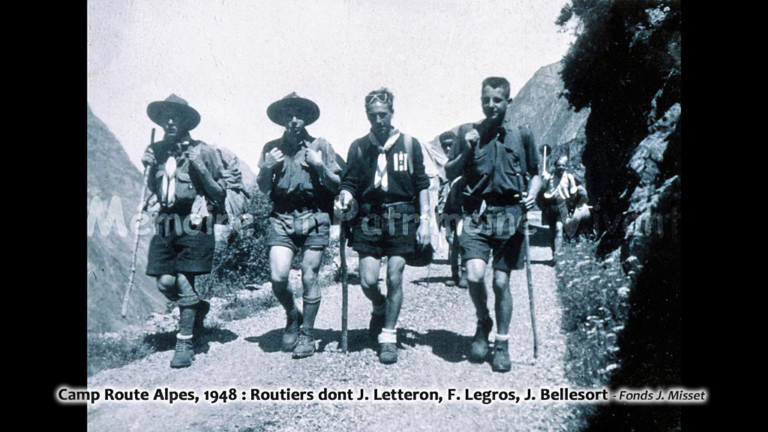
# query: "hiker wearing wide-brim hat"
(301, 175)
(283, 110)
(185, 175)
(176, 108)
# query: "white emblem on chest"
(401, 161)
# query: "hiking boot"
(454, 278)
(463, 283)
(305, 347)
(203, 307)
(479, 348)
(184, 354)
(291, 334)
(501, 361)
(375, 326)
(388, 353)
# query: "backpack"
(236, 202)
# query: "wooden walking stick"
(344, 292)
(124, 309)
(527, 234)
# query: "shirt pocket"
(510, 160)
(185, 190)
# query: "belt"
(290, 205)
(492, 206)
(380, 209)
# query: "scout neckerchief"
(380, 180)
(169, 178)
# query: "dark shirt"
(358, 179)
(295, 180)
(499, 168)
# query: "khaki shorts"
(299, 229)
(497, 232)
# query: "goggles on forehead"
(381, 97)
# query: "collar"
(488, 132)
(287, 145)
(372, 140)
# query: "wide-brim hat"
(186, 117)
(303, 108)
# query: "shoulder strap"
(409, 149)
(359, 152)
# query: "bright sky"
(230, 59)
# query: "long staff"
(526, 235)
(344, 292)
(124, 309)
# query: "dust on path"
(435, 329)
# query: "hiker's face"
(380, 117)
(494, 102)
(559, 168)
(447, 143)
(295, 125)
(172, 130)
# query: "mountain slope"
(539, 105)
(114, 180)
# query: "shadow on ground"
(167, 341)
(357, 340)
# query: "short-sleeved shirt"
(499, 167)
(294, 180)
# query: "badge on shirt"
(401, 161)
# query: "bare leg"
(369, 279)
(395, 267)
(477, 291)
(280, 259)
(558, 236)
(503, 301)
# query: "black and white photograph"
(396, 215)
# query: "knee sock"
(186, 319)
(311, 306)
(285, 298)
(380, 309)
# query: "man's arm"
(328, 171)
(350, 179)
(204, 163)
(457, 156)
(421, 186)
(264, 178)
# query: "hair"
(445, 135)
(384, 91)
(562, 159)
(497, 82)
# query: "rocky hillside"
(539, 105)
(113, 179)
(626, 67)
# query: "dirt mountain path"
(436, 326)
